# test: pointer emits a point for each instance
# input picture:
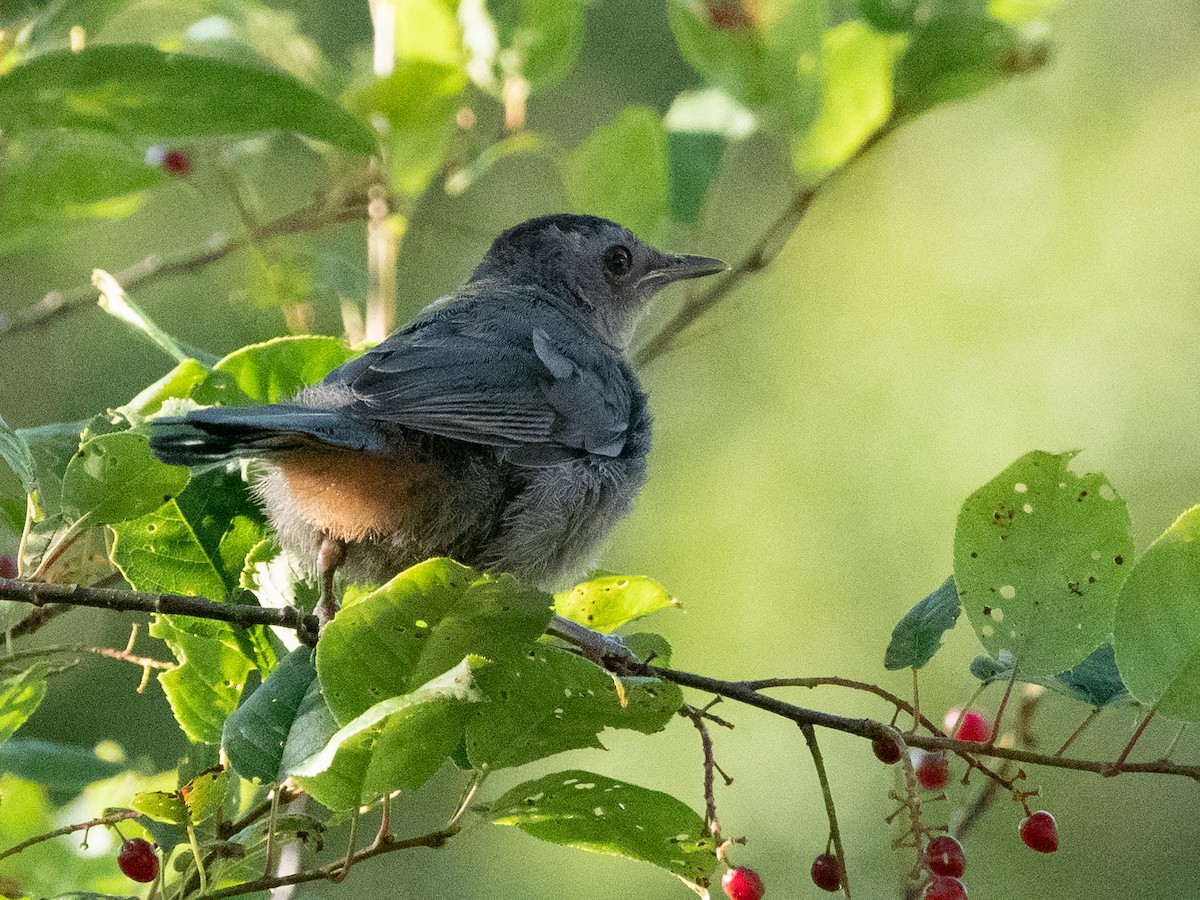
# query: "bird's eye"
(617, 260)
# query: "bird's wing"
(473, 373)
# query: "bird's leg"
(330, 555)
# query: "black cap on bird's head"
(601, 266)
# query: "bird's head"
(599, 266)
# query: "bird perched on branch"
(503, 428)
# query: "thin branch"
(899, 702)
(333, 871)
(710, 768)
(320, 214)
(742, 692)
(764, 251)
(126, 655)
(171, 604)
(110, 819)
(835, 834)
(871, 729)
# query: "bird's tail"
(222, 433)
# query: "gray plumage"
(504, 427)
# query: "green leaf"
(698, 125)
(554, 700)
(116, 477)
(313, 729)
(428, 29)
(419, 100)
(767, 62)
(1039, 557)
(417, 626)
(593, 812)
(954, 57)
(856, 97)
(161, 806)
(14, 450)
(53, 180)
(136, 89)
(115, 302)
(204, 795)
(539, 39)
(889, 15)
(20, 696)
(1096, 681)
(397, 744)
(1156, 632)
(917, 636)
(63, 769)
(160, 553)
(606, 603)
(257, 732)
(280, 368)
(1020, 11)
(175, 385)
(620, 172)
(205, 688)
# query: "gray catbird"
(503, 428)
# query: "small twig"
(1175, 740)
(1137, 734)
(110, 819)
(330, 871)
(154, 268)
(1012, 679)
(835, 835)
(764, 251)
(1091, 717)
(36, 619)
(710, 766)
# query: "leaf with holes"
(1039, 556)
(1156, 631)
(607, 602)
(593, 812)
(419, 625)
(116, 477)
(397, 744)
(917, 637)
(554, 700)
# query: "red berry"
(886, 750)
(933, 770)
(826, 873)
(8, 567)
(1040, 832)
(943, 887)
(177, 162)
(944, 856)
(974, 727)
(138, 860)
(742, 883)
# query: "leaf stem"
(835, 835)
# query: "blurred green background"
(1014, 272)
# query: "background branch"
(320, 214)
(764, 251)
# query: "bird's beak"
(677, 268)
